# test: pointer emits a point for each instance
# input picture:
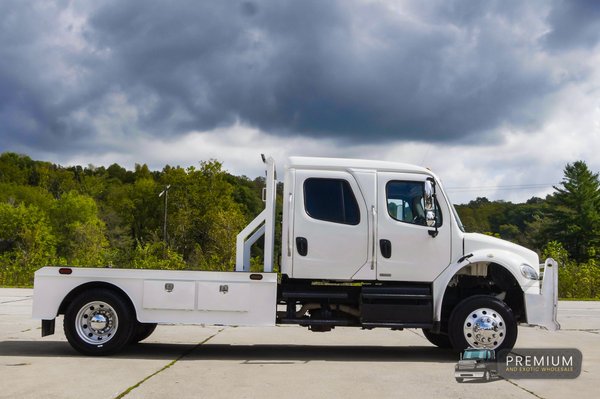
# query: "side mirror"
(429, 205)
(430, 217)
(429, 191)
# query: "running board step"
(395, 296)
(405, 306)
(401, 292)
(314, 295)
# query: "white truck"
(367, 244)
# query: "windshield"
(453, 209)
(481, 354)
(458, 221)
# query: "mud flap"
(48, 327)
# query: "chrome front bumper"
(469, 374)
(541, 308)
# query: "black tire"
(104, 308)
(142, 331)
(460, 380)
(439, 340)
(486, 376)
(471, 305)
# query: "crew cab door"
(330, 233)
(405, 249)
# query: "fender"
(509, 260)
(53, 292)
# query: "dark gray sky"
(488, 93)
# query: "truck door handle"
(386, 248)
(301, 246)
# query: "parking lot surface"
(273, 362)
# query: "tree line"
(97, 216)
(111, 216)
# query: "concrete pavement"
(276, 362)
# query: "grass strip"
(579, 299)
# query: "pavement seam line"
(524, 389)
(167, 366)
(16, 300)
(417, 334)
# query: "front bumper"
(468, 374)
(540, 308)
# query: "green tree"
(573, 213)
(157, 255)
(115, 171)
(575, 280)
(248, 194)
(204, 216)
(146, 209)
(15, 168)
(26, 243)
(12, 193)
(80, 232)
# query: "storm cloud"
(78, 76)
(574, 24)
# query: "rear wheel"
(99, 322)
(439, 340)
(142, 331)
(482, 321)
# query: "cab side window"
(331, 200)
(405, 202)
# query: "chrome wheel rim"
(484, 328)
(96, 323)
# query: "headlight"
(529, 272)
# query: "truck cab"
(361, 220)
(379, 244)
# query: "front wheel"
(487, 376)
(482, 321)
(99, 322)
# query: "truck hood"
(475, 241)
(470, 362)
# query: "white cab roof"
(347, 163)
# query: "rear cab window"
(331, 200)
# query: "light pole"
(166, 193)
